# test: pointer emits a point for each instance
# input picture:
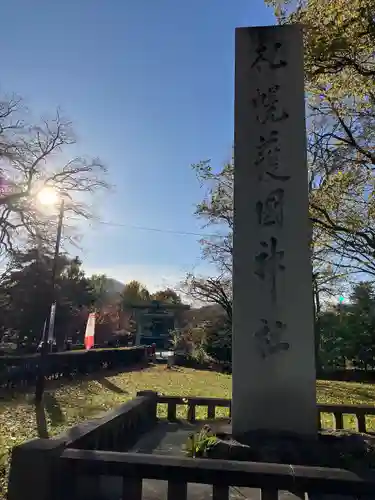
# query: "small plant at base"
(199, 443)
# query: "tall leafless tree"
(33, 156)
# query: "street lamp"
(49, 197)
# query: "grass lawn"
(66, 405)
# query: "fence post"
(34, 469)
(153, 405)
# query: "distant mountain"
(204, 313)
(111, 289)
(113, 286)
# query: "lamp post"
(48, 198)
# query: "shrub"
(218, 341)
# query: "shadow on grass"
(110, 386)
(14, 393)
(352, 393)
(367, 396)
(51, 407)
(41, 421)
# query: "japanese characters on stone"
(267, 106)
(269, 337)
(269, 261)
(270, 210)
(267, 56)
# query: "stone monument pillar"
(273, 337)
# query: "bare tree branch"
(30, 158)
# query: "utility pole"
(40, 381)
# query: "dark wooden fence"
(221, 474)
(360, 412)
(20, 371)
(57, 468)
(348, 375)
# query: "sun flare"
(48, 196)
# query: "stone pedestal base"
(337, 449)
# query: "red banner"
(90, 331)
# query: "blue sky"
(148, 85)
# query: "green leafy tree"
(339, 66)
(347, 331)
(99, 284)
(74, 294)
(218, 339)
(334, 347)
(361, 322)
(26, 295)
(167, 296)
(134, 293)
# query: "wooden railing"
(46, 469)
(338, 412)
(211, 404)
(191, 403)
(221, 474)
(118, 429)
